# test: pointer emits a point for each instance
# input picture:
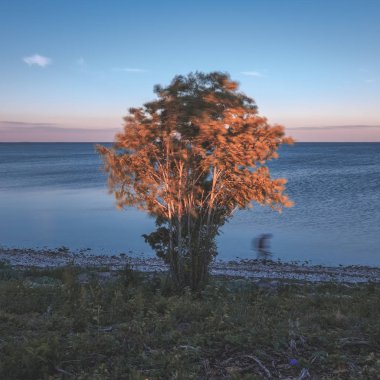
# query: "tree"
(190, 158)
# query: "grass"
(70, 324)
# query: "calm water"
(55, 194)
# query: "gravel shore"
(255, 269)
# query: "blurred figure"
(262, 246)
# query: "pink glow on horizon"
(53, 134)
(44, 132)
(336, 134)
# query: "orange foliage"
(193, 156)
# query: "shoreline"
(249, 269)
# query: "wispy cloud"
(82, 66)
(252, 73)
(5, 123)
(38, 60)
(129, 70)
(336, 133)
(81, 62)
(15, 131)
(370, 80)
(334, 127)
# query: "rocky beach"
(250, 269)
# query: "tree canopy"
(190, 158)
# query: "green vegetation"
(69, 323)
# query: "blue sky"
(81, 64)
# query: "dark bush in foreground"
(54, 327)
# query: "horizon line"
(111, 142)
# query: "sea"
(55, 194)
